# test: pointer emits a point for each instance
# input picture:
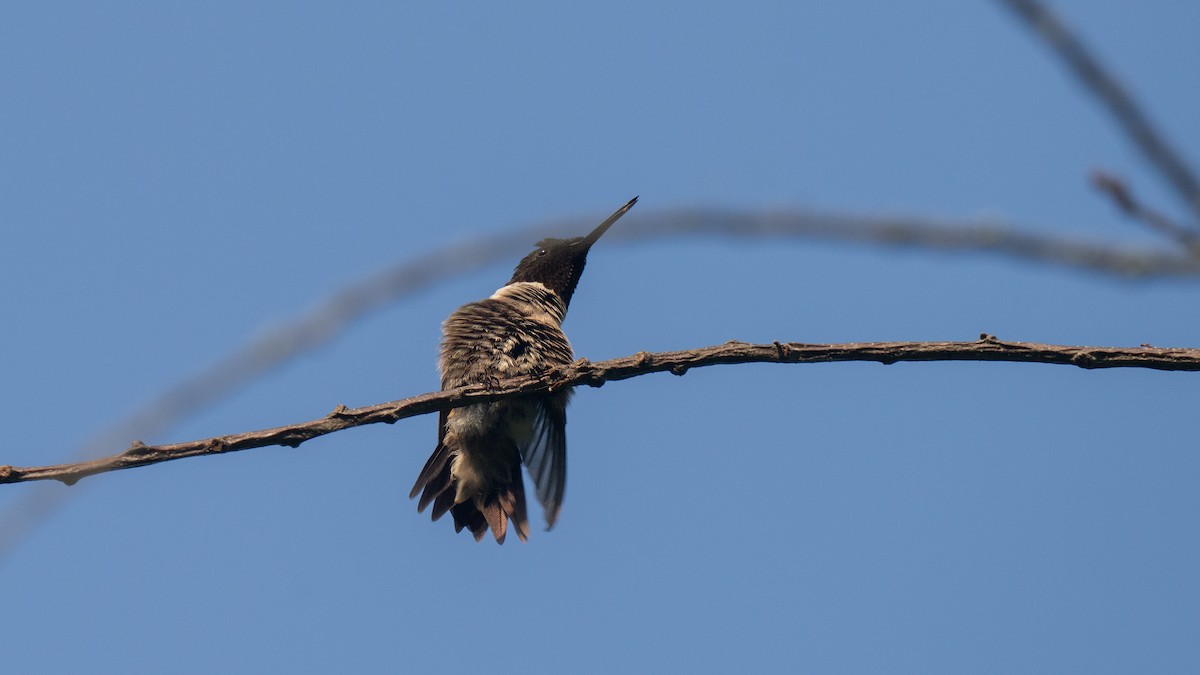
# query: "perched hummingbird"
(475, 471)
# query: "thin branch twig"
(1105, 86)
(1130, 205)
(583, 372)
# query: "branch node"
(6, 472)
(338, 412)
(988, 337)
(642, 359)
(216, 445)
(680, 369)
(137, 448)
(784, 351)
(593, 376)
(1084, 359)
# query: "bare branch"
(582, 372)
(1105, 86)
(328, 319)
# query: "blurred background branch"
(330, 318)
(1114, 97)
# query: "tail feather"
(434, 474)
(442, 504)
(503, 502)
(496, 519)
(466, 516)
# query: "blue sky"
(180, 179)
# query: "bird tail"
(501, 502)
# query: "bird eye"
(541, 252)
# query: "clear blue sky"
(176, 179)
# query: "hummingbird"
(475, 470)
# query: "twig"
(1105, 86)
(582, 372)
(1125, 200)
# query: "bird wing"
(546, 456)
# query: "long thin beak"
(603, 227)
